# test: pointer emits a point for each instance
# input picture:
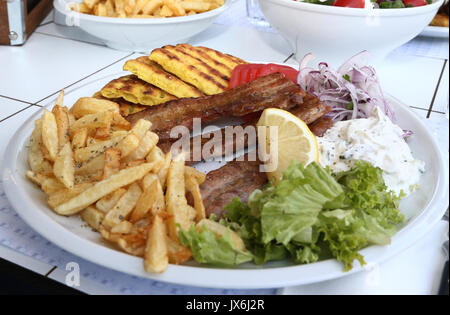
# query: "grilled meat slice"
(234, 179)
(321, 125)
(273, 90)
(311, 109)
(240, 179)
(309, 113)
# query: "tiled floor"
(57, 57)
(22, 76)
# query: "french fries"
(123, 207)
(156, 257)
(89, 105)
(93, 121)
(123, 227)
(178, 253)
(112, 162)
(152, 199)
(177, 206)
(51, 185)
(102, 133)
(156, 156)
(62, 195)
(193, 187)
(141, 128)
(162, 174)
(147, 143)
(92, 217)
(90, 161)
(91, 151)
(103, 188)
(63, 124)
(36, 159)
(79, 138)
(120, 122)
(106, 203)
(64, 168)
(128, 144)
(50, 135)
(145, 8)
(91, 167)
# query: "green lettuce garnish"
(207, 248)
(295, 203)
(310, 215)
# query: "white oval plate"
(435, 31)
(423, 209)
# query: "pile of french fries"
(90, 161)
(145, 8)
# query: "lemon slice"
(294, 141)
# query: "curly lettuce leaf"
(366, 214)
(364, 188)
(295, 203)
(207, 248)
(247, 223)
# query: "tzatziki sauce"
(376, 140)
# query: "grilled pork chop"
(309, 113)
(273, 90)
(234, 179)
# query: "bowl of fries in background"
(141, 25)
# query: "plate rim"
(205, 276)
(435, 31)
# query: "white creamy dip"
(375, 140)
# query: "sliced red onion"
(353, 83)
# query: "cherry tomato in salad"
(248, 72)
(350, 3)
(414, 3)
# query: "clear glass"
(254, 14)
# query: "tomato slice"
(288, 72)
(252, 73)
(350, 3)
(234, 79)
(414, 3)
(248, 72)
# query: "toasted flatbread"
(127, 108)
(214, 63)
(188, 69)
(149, 71)
(229, 60)
(188, 57)
(136, 91)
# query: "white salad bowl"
(138, 34)
(334, 33)
(422, 208)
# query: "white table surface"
(57, 57)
